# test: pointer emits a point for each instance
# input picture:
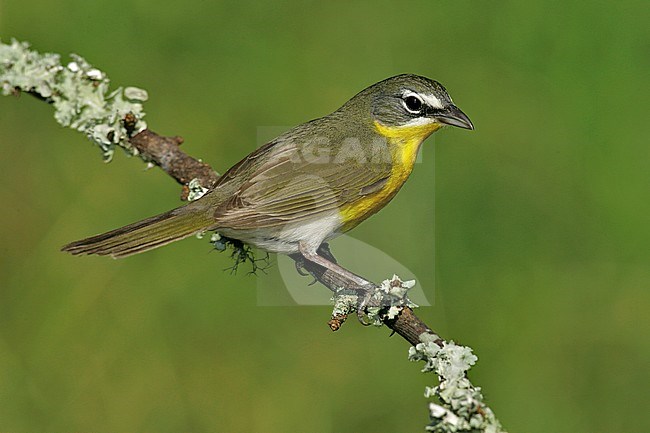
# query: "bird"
(314, 182)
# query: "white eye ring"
(412, 102)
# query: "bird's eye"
(413, 104)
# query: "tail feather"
(145, 235)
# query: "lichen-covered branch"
(458, 405)
(82, 101)
(78, 91)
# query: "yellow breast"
(404, 143)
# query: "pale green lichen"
(344, 303)
(458, 405)
(388, 299)
(78, 91)
(196, 190)
(218, 241)
(385, 302)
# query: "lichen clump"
(78, 91)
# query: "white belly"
(285, 239)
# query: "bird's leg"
(312, 256)
(324, 251)
(363, 288)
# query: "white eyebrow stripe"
(432, 101)
(429, 99)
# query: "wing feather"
(277, 184)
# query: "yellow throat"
(404, 143)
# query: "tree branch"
(165, 153)
(79, 93)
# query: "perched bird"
(310, 184)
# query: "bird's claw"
(300, 268)
(364, 299)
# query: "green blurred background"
(539, 258)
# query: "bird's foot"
(364, 297)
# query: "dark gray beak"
(454, 117)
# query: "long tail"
(147, 234)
